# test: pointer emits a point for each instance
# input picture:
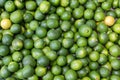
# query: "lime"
(4, 50)
(17, 56)
(16, 16)
(44, 6)
(56, 70)
(109, 20)
(28, 60)
(13, 66)
(115, 63)
(76, 65)
(81, 52)
(70, 75)
(43, 61)
(6, 23)
(94, 75)
(40, 71)
(27, 71)
(30, 5)
(104, 72)
(114, 50)
(85, 30)
(4, 72)
(116, 28)
(9, 6)
(94, 56)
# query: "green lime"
(52, 23)
(85, 30)
(78, 12)
(56, 70)
(114, 77)
(44, 6)
(113, 37)
(104, 72)
(28, 33)
(41, 32)
(82, 42)
(15, 16)
(48, 76)
(55, 45)
(71, 75)
(7, 39)
(106, 5)
(64, 3)
(92, 41)
(34, 77)
(59, 77)
(111, 13)
(116, 28)
(39, 43)
(61, 60)
(28, 60)
(15, 28)
(25, 52)
(19, 4)
(94, 56)
(88, 14)
(103, 59)
(67, 42)
(43, 61)
(66, 15)
(9, 6)
(55, 2)
(114, 50)
(99, 16)
(79, 22)
(27, 71)
(28, 17)
(28, 44)
(99, 47)
(74, 4)
(101, 27)
(103, 38)
(81, 52)
(39, 15)
(40, 71)
(117, 11)
(65, 25)
(94, 75)
(82, 1)
(52, 55)
(36, 53)
(86, 78)
(30, 5)
(93, 65)
(70, 58)
(4, 50)
(17, 56)
(82, 72)
(90, 5)
(6, 60)
(115, 63)
(60, 10)
(76, 65)
(4, 72)
(13, 66)
(91, 23)
(5, 14)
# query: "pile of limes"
(59, 39)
